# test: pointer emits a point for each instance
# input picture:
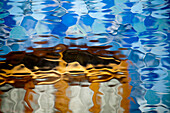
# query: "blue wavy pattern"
(140, 26)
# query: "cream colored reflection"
(98, 97)
(38, 100)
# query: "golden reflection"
(29, 97)
(125, 88)
(96, 98)
(94, 73)
(61, 100)
(65, 68)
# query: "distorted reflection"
(53, 79)
(84, 56)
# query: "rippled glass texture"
(84, 56)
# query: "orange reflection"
(61, 100)
(96, 98)
(29, 97)
(125, 89)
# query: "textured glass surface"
(84, 56)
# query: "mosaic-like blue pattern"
(139, 27)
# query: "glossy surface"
(84, 56)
